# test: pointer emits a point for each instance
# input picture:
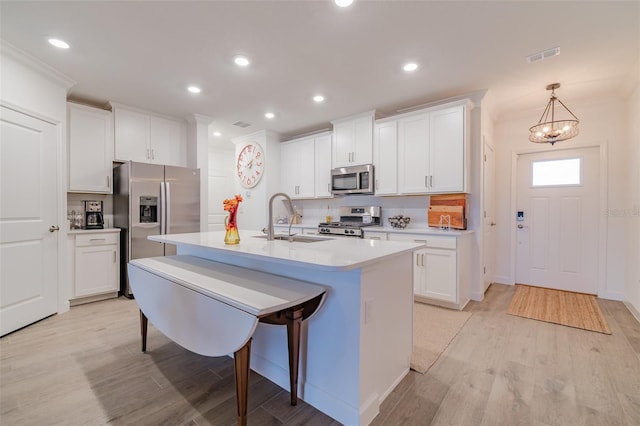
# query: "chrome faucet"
(270, 231)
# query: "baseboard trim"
(500, 279)
(633, 310)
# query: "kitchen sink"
(296, 238)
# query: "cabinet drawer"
(432, 241)
(96, 239)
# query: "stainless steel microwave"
(352, 180)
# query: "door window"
(556, 172)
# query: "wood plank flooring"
(85, 367)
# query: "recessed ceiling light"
(318, 98)
(269, 115)
(410, 66)
(59, 43)
(343, 3)
(217, 134)
(241, 61)
(194, 89)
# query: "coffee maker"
(93, 218)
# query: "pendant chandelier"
(552, 131)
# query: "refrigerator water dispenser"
(148, 209)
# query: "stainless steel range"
(352, 220)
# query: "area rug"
(433, 329)
(559, 307)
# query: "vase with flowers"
(230, 222)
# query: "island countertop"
(331, 254)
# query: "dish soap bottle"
(328, 215)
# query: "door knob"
(520, 226)
(53, 228)
(492, 224)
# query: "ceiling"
(146, 53)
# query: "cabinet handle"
(374, 238)
(148, 156)
(426, 181)
(108, 182)
(115, 257)
(420, 241)
(431, 181)
(377, 184)
(97, 239)
(328, 187)
(153, 154)
(422, 256)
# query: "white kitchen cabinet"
(323, 166)
(447, 169)
(149, 138)
(297, 171)
(353, 140)
(95, 265)
(441, 270)
(385, 157)
(433, 151)
(413, 154)
(90, 149)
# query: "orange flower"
(231, 204)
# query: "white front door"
(28, 206)
(557, 220)
(489, 219)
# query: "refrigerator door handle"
(163, 209)
(167, 209)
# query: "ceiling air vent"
(241, 124)
(554, 51)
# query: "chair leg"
(143, 330)
(242, 358)
(293, 339)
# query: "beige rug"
(433, 330)
(559, 307)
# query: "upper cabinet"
(323, 165)
(90, 149)
(385, 157)
(147, 137)
(297, 168)
(433, 150)
(306, 167)
(353, 140)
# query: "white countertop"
(93, 231)
(412, 230)
(330, 254)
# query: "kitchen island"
(357, 346)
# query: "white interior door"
(557, 233)
(28, 206)
(489, 219)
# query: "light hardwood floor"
(85, 368)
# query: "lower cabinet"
(95, 274)
(441, 270)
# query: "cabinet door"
(96, 270)
(288, 169)
(385, 157)
(90, 149)
(419, 273)
(344, 136)
(131, 135)
(446, 150)
(323, 166)
(306, 172)
(440, 274)
(413, 150)
(167, 141)
(363, 142)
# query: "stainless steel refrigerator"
(152, 199)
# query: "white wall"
(632, 282)
(221, 183)
(602, 121)
(252, 213)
